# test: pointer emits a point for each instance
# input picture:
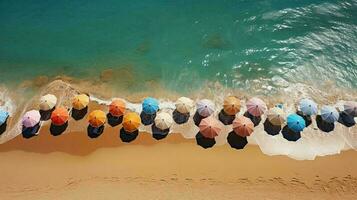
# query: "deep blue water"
(181, 44)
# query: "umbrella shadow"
(205, 142)
(323, 125)
(113, 120)
(255, 120)
(95, 132)
(197, 118)
(46, 114)
(147, 119)
(79, 114)
(159, 134)
(236, 141)
(346, 119)
(127, 136)
(3, 127)
(307, 118)
(270, 128)
(58, 130)
(29, 132)
(290, 135)
(180, 118)
(225, 118)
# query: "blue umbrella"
(329, 114)
(3, 116)
(296, 123)
(308, 107)
(150, 105)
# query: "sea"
(262, 47)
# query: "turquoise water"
(181, 44)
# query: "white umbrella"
(48, 102)
(205, 107)
(184, 105)
(163, 120)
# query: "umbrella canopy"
(184, 105)
(210, 127)
(296, 122)
(350, 108)
(308, 107)
(329, 114)
(31, 118)
(276, 116)
(256, 107)
(48, 102)
(163, 120)
(231, 105)
(97, 118)
(205, 107)
(3, 116)
(243, 126)
(131, 122)
(80, 101)
(59, 116)
(117, 107)
(150, 105)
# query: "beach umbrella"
(59, 116)
(210, 127)
(276, 116)
(256, 106)
(131, 122)
(231, 105)
(48, 102)
(150, 105)
(184, 105)
(97, 118)
(3, 116)
(350, 107)
(205, 107)
(31, 118)
(163, 120)
(80, 101)
(117, 107)
(296, 123)
(308, 107)
(329, 114)
(243, 126)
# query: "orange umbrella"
(243, 126)
(131, 122)
(117, 108)
(210, 127)
(59, 116)
(97, 118)
(231, 105)
(80, 101)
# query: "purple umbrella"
(31, 118)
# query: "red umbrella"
(59, 116)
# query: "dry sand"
(72, 166)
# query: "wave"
(312, 144)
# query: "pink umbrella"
(256, 107)
(31, 118)
(243, 126)
(210, 127)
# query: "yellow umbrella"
(131, 122)
(80, 101)
(97, 118)
(231, 105)
(48, 102)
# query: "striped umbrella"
(210, 127)
(231, 105)
(163, 120)
(184, 105)
(205, 107)
(329, 114)
(48, 102)
(31, 118)
(243, 126)
(308, 107)
(256, 107)
(350, 107)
